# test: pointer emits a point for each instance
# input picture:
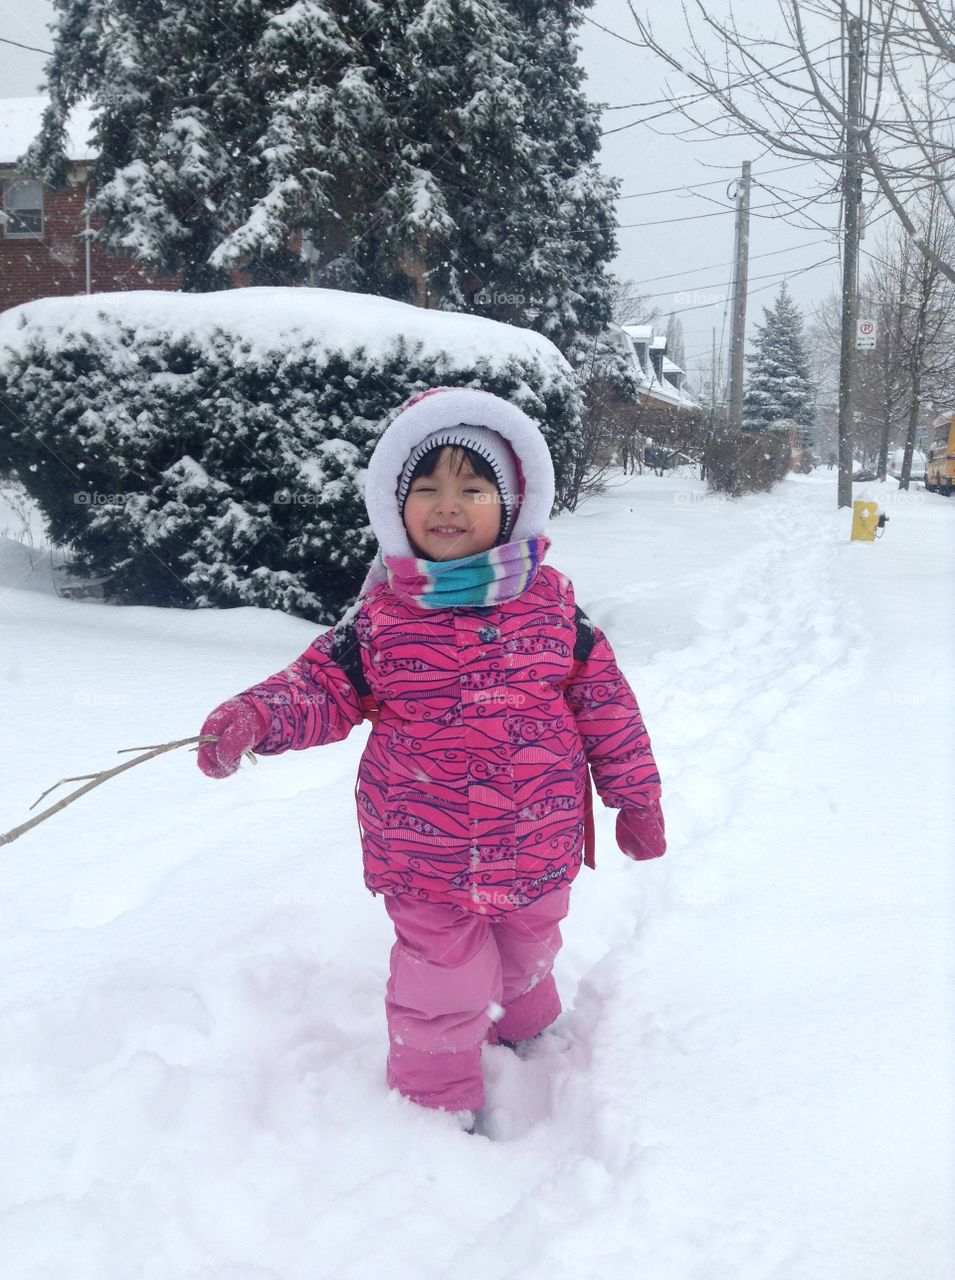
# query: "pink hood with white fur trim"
(446, 407)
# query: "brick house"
(43, 250)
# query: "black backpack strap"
(346, 652)
(586, 638)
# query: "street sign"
(866, 333)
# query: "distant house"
(44, 251)
(661, 383)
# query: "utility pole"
(713, 385)
(851, 201)
(740, 282)
(710, 434)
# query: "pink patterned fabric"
(448, 971)
(471, 788)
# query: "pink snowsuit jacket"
(473, 787)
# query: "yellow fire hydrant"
(865, 521)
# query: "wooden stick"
(209, 737)
(79, 778)
(103, 776)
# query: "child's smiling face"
(452, 513)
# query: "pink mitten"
(640, 832)
(239, 726)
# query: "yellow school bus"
(940, 465)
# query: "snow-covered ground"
(753, 1076)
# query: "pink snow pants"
(448, 970)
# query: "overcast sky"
(682, 261)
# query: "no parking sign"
(866, 334)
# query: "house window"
(23, 208)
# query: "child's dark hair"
(461, 455)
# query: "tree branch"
(97, 780)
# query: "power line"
(715, 266)
(762, 288)
(791, 208)
(710, 182)
(689, 217)
(32, 47)
(658, 115)
(653, 102)
(723, 284)
(788, 275)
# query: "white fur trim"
(446, 407)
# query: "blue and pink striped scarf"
(490, 577)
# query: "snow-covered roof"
(20, 120)
(648, 383)
(273, 319)
(664, 390)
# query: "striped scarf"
(488, 578)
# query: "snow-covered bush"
(746, 463)
(208, 449)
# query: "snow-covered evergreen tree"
(221, 127)
(778, 390)
(432, 150)
(568, 223)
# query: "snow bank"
(264, 321)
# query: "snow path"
(752, 1076)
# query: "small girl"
(489, 694)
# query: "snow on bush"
(747, 463)
(208, 449)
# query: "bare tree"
(914, 358)
(883, 382)
(609, 391)
(822, 349)
(927, 304)
(629, 306)
(788, 93)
